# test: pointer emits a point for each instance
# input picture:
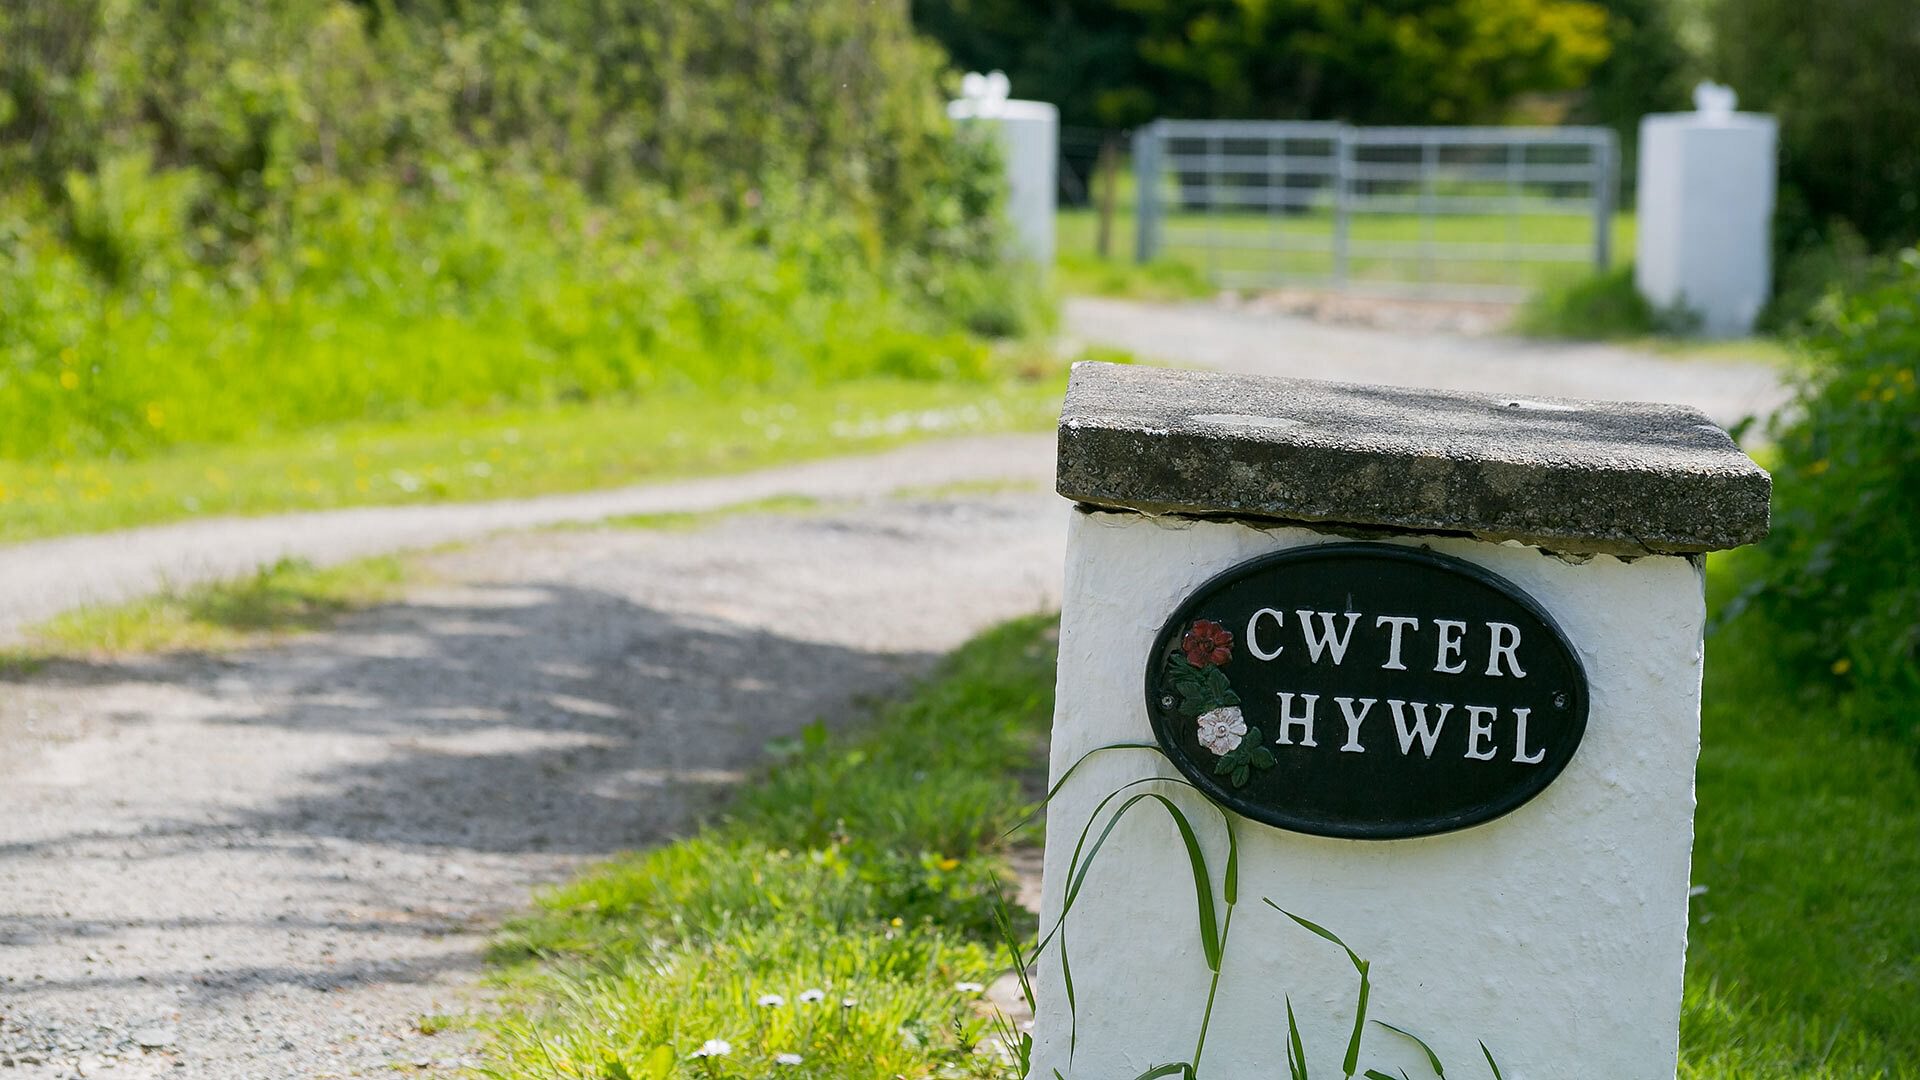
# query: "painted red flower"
(1207, 643)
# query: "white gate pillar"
(1432, 660)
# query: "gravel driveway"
(271, 864)
(45, 577)
(1274, 343)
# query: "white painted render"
(1029, 134)
(1557, 934)
(1705, 234)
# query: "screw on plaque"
(1167, 701)
(1559, 701)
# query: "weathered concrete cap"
(1625, 478)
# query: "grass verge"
(289, 597)
(451, 456)
(1804, 952)
(842, 913)
(1199, 248)
(862, 867)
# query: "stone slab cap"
(1612, 477)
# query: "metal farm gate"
(1458, 212)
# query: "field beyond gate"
(1477, 213)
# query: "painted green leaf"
(1220, 688)
(1263, 757)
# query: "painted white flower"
(771, 1001)
(714, 1048)
(811, 995)
(968, 987)
(787, 1059)
(1221, 729)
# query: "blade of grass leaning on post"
(1017, 1044)
(1065, 776)
(1233, 862)
(1212, 941)
(1296, 1052)
(1433, 1059)
(1351, 1063)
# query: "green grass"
(1801, 966)
(1200, 251)
(678, 521)
(288, 597)
(862, 869)
(457, 455)
(681, 521)
(1804, 956)
(1593, 306)
(1772, 351)
(382, 302)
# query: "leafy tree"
(1120, 62)
(705, 98)
(1844, 78)
(1648, 69)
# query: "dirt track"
(276, 861)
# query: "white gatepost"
(1432, 661)
(1703, 240)
(1029, 136)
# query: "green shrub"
(261, 99)
(1842, 81)
(1118, 63)
(492, 292)
(1598, 306)
(1839, 572)
(242, 219)
(1811, 265)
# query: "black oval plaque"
(1366, 690)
